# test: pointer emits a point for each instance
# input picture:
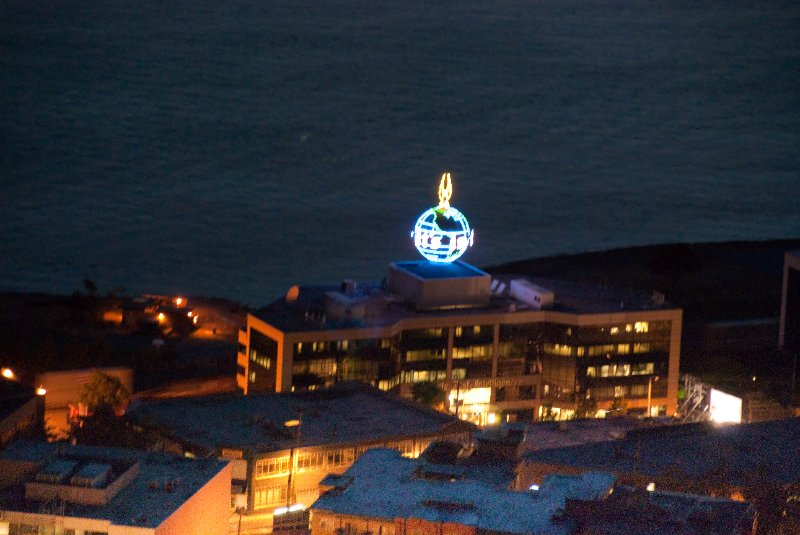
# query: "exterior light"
(442, 233)
(194, 319)
(190, 314)
(754, 378)
(291, 423)
(534, 487)
(41, 391)
(161, 317)
(651, 487)
(491, 419)
(7, 373)
(179, 301)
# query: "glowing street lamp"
(7, 373)
(41, 391)
(650, 394)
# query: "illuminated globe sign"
(442, 233)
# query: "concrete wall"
(206, 512)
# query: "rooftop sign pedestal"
(442, 233)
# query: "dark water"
(235, 148)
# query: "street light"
(290, 484)
(650, 394)
(7, 373)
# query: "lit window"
(614, 330)
(591, 371)
(640, 326)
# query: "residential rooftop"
(772, 448)
(347, 413)
(383, 484)
(307, 311)
(155, 484)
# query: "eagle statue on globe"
(442, 233)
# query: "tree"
(105, 398)
(429, 393)
(104, 393)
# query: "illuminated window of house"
(614, 330)
(640, 326)
(276, 466)
(591, 371)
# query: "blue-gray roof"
(386, 485)
(346, 414)
(694, 450)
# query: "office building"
(501, 348)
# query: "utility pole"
(292, 461)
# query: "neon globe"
(442, 233)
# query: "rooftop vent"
(531, 294)
(93, 475)
(56, 471)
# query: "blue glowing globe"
(442, 234)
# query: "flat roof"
(440, 270)
(383, 484)
(570, 297)
(137, 504)
(347, 413)
(695, 449)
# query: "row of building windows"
(33, 529)
(621, 370)
(339, 345)
(320, 367)
(269, 496)
(280, 466)
(484, 351)
(353, 526)
(619, 391)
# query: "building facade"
(276, 466)
(502, 348)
